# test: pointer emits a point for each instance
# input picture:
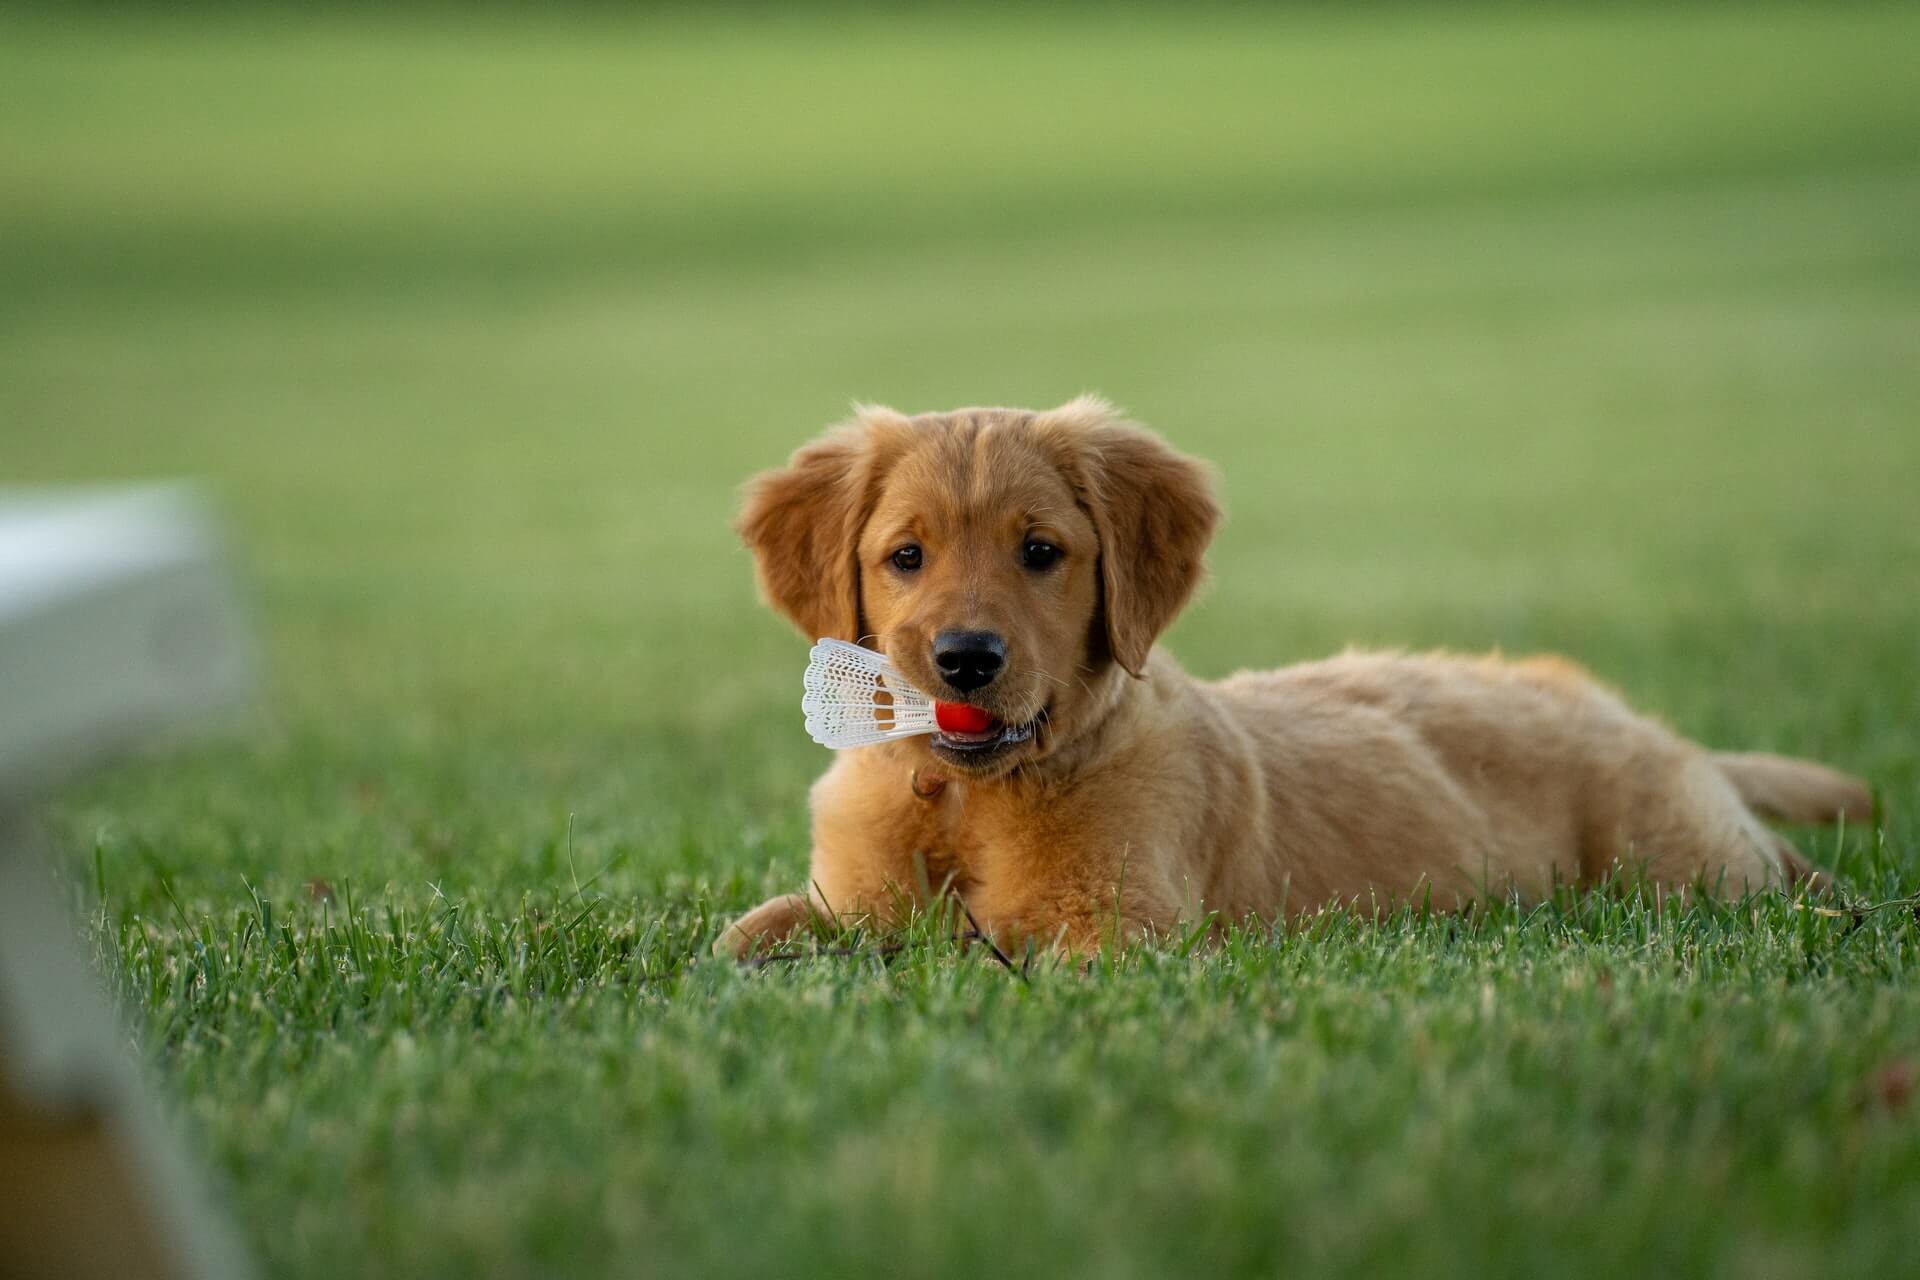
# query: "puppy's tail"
(1789, 790)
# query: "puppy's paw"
(773, 921)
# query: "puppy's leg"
(1801, 874)
(852, 885)
(1685, 824)
(767, 925)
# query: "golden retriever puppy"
(1024, 563)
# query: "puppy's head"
(1007, 559)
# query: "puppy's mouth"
(975, 749)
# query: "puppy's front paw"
(771, 922)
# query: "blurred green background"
(1521, 326)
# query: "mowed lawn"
(1529, 329)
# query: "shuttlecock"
(855, 698)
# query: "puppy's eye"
(907, 558)
(1039, 555)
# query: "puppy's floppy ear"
(803, 524)
(1154, 511)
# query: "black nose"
(969, 660)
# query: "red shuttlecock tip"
(958, 717)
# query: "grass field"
(1529, 329)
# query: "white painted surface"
(117, 619)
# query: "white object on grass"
(856, 698)
(118, 623)
(117, 620)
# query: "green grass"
(1525, 328)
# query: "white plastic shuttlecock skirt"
(855, 698)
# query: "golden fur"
(1147, 798)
